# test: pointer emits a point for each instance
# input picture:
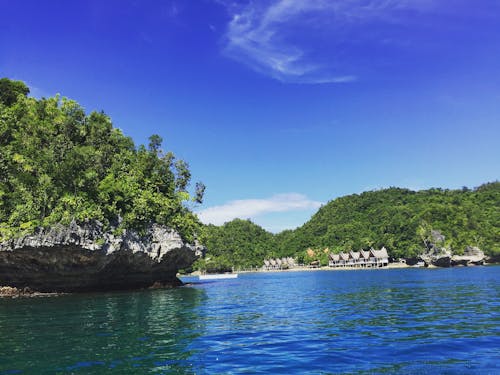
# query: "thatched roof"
(343, 256)
(379, 254)
(364, 254)
(334, 257)
(354, 255)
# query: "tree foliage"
(238, 243)
(58, 163)
(10, 90)
(399, 219)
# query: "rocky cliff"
(85, 257)
(436, 254)
(473, 256)
(442, 257)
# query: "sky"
(279, 106)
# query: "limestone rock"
(472, 256)
(442, 257)
(492, 259)
(84, 257)
(437, 256)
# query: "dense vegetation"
(58, 163)
(238, 243)
(399, 219)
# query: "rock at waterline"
(84, 257)
(437, 256)
(472, 256)
(442, 257)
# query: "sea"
(384, 321)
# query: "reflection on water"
(369, 321)
(121, 332)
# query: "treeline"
(58, 163)
(238, 243)
(399, 219)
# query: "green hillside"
(58, 163)
(398, 219)
(239, 243)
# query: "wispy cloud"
(253, 208)
(35, 92)
(284, 38)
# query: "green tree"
(400, 219)
(58, 163)
(10, 90)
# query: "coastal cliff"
(78, 199)
(85, 257)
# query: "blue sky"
(279, 106)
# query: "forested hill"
(398, 219)
(238, 242)
(58, 163)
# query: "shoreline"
(395, 265)
(328, 268)
(13, 292)
(313, 269)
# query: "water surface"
(369, 321)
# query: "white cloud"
(268, 36)
(252, 208)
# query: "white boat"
(218, 276)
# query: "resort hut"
(364, 257)
(372, 260)
(384, 256)
(314, 264)
(267, 265)
(380, 257)
(333, 260)
(353, 258)
(278, 263)
(273, 264)
(344, 258)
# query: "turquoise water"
(371, 321)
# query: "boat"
(218, 276)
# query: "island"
(83, 208)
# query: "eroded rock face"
(442, 257)
(437, 256)
(472, 256)
(82, 257)
(492, 259)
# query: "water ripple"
(385, 321)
